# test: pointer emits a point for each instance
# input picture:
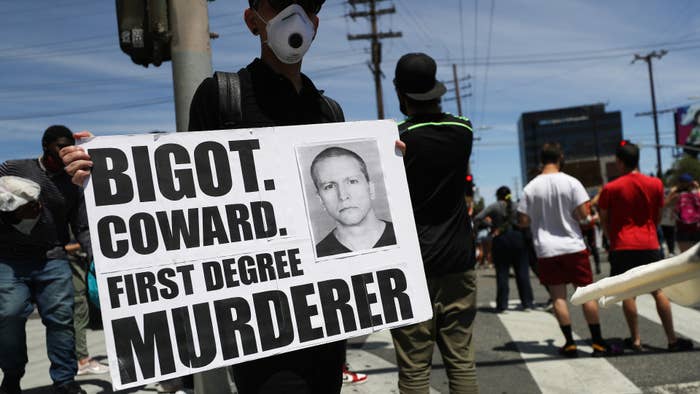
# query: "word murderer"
(175, 169)
(260, 323)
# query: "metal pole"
(457, 95)
(190, 51)
(656, 121)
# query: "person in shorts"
(630, 210)
(553, 205)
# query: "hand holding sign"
(76, 160)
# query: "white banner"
(215, 248)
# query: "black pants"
(669, 233)
(509, 250)
(589, 237)
(314, 370)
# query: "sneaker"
(350, 377)
(69, 388)
(10, 383)
(92, 367)
(605, 350)
(680, 345)
(569, 351)
(629, 344)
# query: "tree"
(685, 164)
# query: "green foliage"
(685, 164)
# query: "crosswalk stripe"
(685, 320)
(533, 333)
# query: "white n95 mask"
(289, 34)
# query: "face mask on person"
(289, 34)
(52, 161)
(25, 226)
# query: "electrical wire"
(484, 88)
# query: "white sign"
(215, 248)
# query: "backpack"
(93, 295)
(229, 88)
(688, 208)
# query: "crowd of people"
(551, 229)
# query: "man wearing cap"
(630, 208)
(270, 91)
(437, 147)
(34, 266)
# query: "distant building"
(588, 135)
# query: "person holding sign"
(552, 206)
(34, 265)
(270, 91)
(346, 193)
(437, 147)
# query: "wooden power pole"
(647, 58)
(375, 36)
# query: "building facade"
(588, 135)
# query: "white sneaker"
(92, 367)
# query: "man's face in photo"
(343, 189)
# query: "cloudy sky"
(60, 63)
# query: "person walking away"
(630, 208)
(552, 205)
(437, 147)
(509, 249)
(685, 200)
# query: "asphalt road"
(516, 352)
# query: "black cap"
(415, 77)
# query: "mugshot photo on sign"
(346, 198)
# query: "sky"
(60, 63)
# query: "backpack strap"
(229, 89)
(332, 109)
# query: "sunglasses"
(310, 6)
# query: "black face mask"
(52, 161)
(402, 107)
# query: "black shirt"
(330, 245)
(62, 204)
(438, 147)
(269, 99)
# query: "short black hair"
(551, 153)
(503, 193)
(317, 4)
(628, 153)
(336, 151)
(55, 132)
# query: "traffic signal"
(144, 31)
(469, 185)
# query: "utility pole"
(459, 99)
(647, 58)
(191, 53)
(457, 88)
(375, 36)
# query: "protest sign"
(215, 248)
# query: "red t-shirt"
(633, 202)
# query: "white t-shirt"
(550, 201)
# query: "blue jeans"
(49, 284)
(509, 250)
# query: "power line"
(95, 108)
